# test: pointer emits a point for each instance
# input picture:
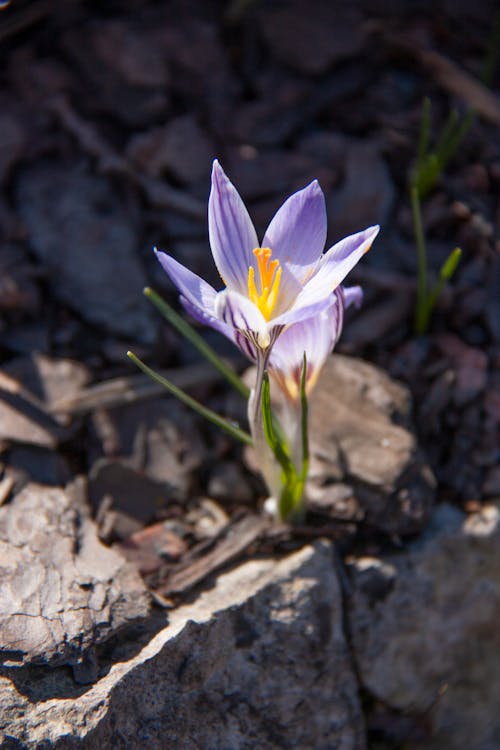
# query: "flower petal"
(232, 234)
(204, 317)
(353, 295)
(316, 336)
(244, 317)
(300, 312)
(192, 287)
(335, 265)
(297, 234)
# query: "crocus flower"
(316, 337)
(273, 285)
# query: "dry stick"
(449, 75)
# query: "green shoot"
(212, 416)
(194, 338)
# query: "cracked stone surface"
(62, 591)
(425, 628)
(258, 661)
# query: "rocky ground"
(145, 600)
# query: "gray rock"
(362, 440)
(85, 238)
(259, 661)
(180, 148)
(425, 633)
(366, 195)
(62, 592)
(311, 37)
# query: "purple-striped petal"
(297, 236)
(300, 312)
(243, 316)
(335, 265)
(195, 289)
(231, 232)
(316, 336)
(353, 295)
(204, 317)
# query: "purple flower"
(316, 336)
(272, 287)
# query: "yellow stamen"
(269, 281)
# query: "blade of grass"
(212, 416)
(194, 338)
(446, 272)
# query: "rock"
(470, 365)
(367, 194)
(49, 378)
(36, 464)
(181, 148)
(361, 436)
(29, 386)
(86, 240)
(259, 661)
(312, 37)
(62, 592)
(365, 463)
(424, 628)
(22, 419)
(160, 439)
(134, 496)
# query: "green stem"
(421, 316)
(212, 416)
(194, 338)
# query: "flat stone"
(259, 661)
(63, 592)
(310, 37)
(180, 148)
(88, 243)
(362, 438)
(365, 196)
(424, 628)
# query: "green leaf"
(450, 265)
(212, 416)
(278, 448)
(194, 338)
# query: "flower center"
(269, 281)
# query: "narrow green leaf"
(274, 443)
(446, 272)
(450, 265)
(212, 416)
(194, 338)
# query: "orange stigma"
(270, 275)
